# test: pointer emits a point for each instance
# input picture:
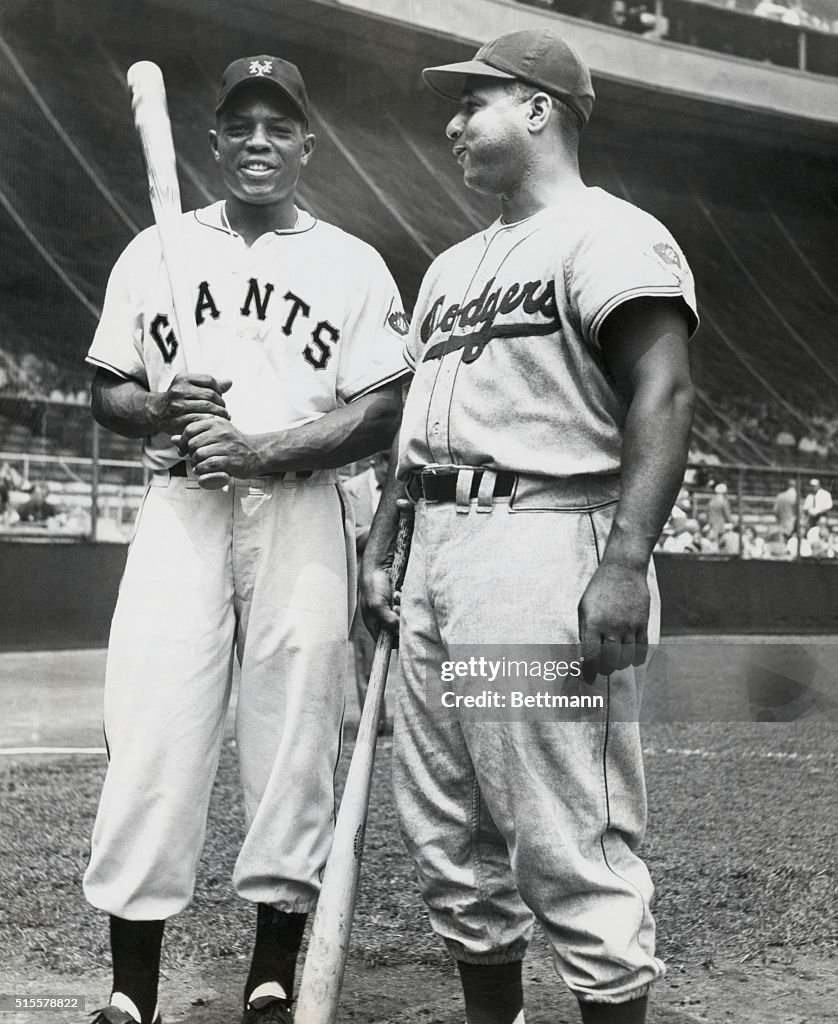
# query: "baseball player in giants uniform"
(544, 438)
(301, 331)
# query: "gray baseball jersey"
(505, 339)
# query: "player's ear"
(309, 142)
(213, 141)
(541, 108)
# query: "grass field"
(741, 843)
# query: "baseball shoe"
(268, 1010)
(114, 1015)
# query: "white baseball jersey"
(302, 321)
(505, 339)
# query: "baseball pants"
(507, 820)
(263, 571)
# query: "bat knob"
(213, 481)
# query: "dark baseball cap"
(264, 68)
(538, 57)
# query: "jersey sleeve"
(374, 330)
(622, 258)
(117, 345)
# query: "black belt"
(442, 487)
(179, 469)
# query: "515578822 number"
(11, 1001)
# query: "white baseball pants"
(264, 571)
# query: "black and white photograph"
(419, 512)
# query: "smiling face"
(490, 136)
(261, 144)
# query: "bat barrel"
(151, 119)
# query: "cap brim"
(234, 89)
(448, 79)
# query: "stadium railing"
(737, 32)
(97, 499)
(86, 498)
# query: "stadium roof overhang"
(643, 85)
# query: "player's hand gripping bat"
(151, 119)
(329, 944)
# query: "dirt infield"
(741, 843)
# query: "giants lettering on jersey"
(485, 315)
(256, 300)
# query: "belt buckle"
(442, 469)
(433, 470)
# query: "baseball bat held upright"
(329, 943)
(151, 119)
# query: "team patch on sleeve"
(669, 256)
(396, 319)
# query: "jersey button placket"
(439, 407)
(442, 397)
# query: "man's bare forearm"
(655, 447)
(345, 435)
(125, 407)
(376, 589)
(381, 538)
(128, 408)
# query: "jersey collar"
(215, 217)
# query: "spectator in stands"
(808, 446)
(730, 541)
(785, 509)
(719, 512)
(638, 19)
(705, 544)
(824, 543)
(37, 509)
(794, 542)
(10, 480)
(816, 504)
(678, 538)
(785, 439)
(776, 545)
(777, 12)
(753, 545)
(32, 370)
(617, 14)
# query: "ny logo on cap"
(261, 67)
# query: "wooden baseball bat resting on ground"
(151, 119)
(329, 944)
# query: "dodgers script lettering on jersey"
(302, 321)
(505, 339)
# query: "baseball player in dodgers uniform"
(301, 332)
(544, 438)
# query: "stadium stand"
(752, 199)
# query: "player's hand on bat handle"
(190, 396)
(613, 620)
(214, 445)
(379, 602)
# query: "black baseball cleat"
(268, 1010)
(114, 1015)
